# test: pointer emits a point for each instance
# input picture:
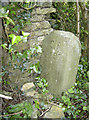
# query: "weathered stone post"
(60, 58)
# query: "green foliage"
(35, 67)
(14, 39)
(36, 104)
(12, 13)
(4, 14)
(25, 34)
(65, 16)
(42, 84)
(4, 45)
(20, 59)
(1, 75)
(75, 101)
(25, 107)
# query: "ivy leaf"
(28, 109)
(4, 45)
(25, 34)
(2, 12)
(39, 49)
(7, 22)
(15, 108)
(71, 90)
(14, 40)
(44, 90)
(84, 108)
(18, 39)
(35, 68)
(40, 84)
(36, 104)
(43, 80)
(13, 12)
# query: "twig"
(11, 114)
(53, 104)
(6, 31)
(47, 102)
(43, 113)
(6, 97)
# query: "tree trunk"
(85, 19)
(78, 20)
(88, 36)
(85, 36)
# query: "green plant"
(75, 101)
(23, 110)
(19, 60)
(5, 15)
(15, 40)
(36, 104)
(42, 84)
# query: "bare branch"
(43, 113)
(6, 97)
(11, 114)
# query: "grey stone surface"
(59, 61)
(18, 78)
(37, 18)
(43, 11)
(45, 4)
(36, 42)
(27, 86)
(55, 112)
(35, 113)
(42, 32)
(38, 25)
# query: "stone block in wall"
(37, 18)
(54, 113)
(42, 25)
(44, 4)
(40, 39)
(59, 60)
(18, 78)
(38, 36)
(37, 41)
(43, 11)
(37, 25)
(42, 32)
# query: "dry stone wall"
(38, 29)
